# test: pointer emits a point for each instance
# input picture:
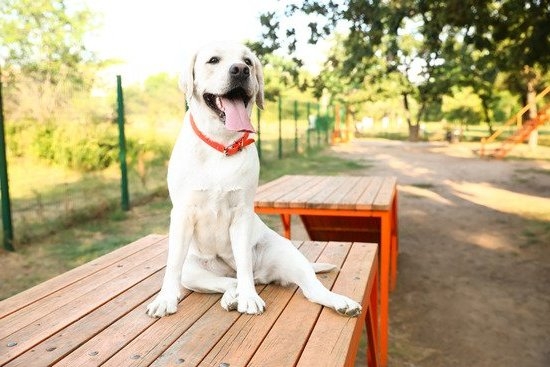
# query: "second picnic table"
(342, 208)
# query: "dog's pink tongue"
(236, 117)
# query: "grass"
(58, 252)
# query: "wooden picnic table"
(342, 208)
(95, 315)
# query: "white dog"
(216, 241)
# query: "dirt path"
(474, 261)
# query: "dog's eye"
(247, 61)
(214, 60)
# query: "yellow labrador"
(216, 241)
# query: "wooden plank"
(272, 195)
(322, 199)
(35, 311)
(240, 342)
(366, 200)
(286, 339)
(73, 336)
(383, 200)
(349, 202)
(307, 189)
(115, 337)
(63, 314)
(144, 348)
(354, 280)
(268, 185)
(334, 201)
(23, 299)
(304, 198)
(195, 342)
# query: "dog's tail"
(323, 267)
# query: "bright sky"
(159, 35)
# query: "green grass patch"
(312, 163)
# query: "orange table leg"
(385, 247)
(373, 351)
(285, 218)
(394, 244)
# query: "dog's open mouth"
(231, 108)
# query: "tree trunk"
(485, 106)
(532, 113)
(413, 129)
(414, 132)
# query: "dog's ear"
(260, 78)
(187, 79)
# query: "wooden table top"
(95, 314)
(328, 192)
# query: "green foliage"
(323, 122)
(83, 147)
(45, 37)
(428, 46)
(463, 107)
(157, 100)
(44, 58)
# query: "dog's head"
(227, 80)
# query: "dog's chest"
(214, 211)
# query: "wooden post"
(125, 197)
(7, 225)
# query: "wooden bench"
(95, 315)
(340, 208)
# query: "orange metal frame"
(388, 252)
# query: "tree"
(43, 53)
(511, 35)
(394, 35)
(157, 101)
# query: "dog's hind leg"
(282, 262)
(196, 277)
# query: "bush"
(84, 147)
(80, 147)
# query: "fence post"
(295, 126)
(7, 225)
(125, 200)
(258, 115)
(327, 125)
(280, 130)
(308, 128)
(317, 128)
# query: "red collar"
(234, 148)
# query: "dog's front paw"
(347, 307)
(251, 304)
(163, 305)
(229, 300)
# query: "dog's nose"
(239, 70)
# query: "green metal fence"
(132, 169)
